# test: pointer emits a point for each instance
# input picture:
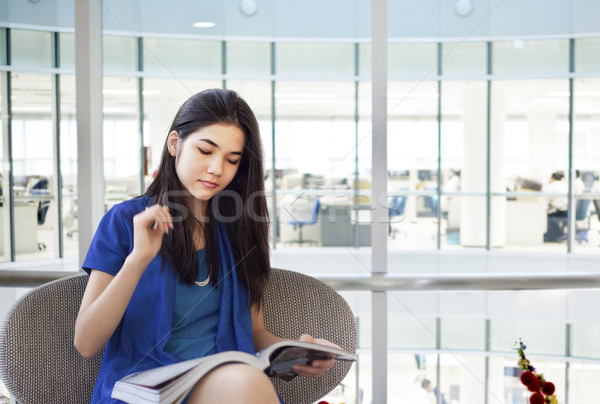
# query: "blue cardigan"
(139, 340)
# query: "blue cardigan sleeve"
(112, 241)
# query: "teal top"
(196, 316)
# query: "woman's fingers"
(317, 367)
(158, 218)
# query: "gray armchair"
(38, 363)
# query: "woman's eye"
(204, 151)
(234, 162)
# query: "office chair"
(39, 364)
(433, 203)
(581, 214)
(560, 223)
(396, 207)
(300, 223)
(41, 188)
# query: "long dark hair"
(247, 226)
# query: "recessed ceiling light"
(204, 24)
(463, 7)
(249, 7)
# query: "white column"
(90, 156)
(379, 251)
(474, 174)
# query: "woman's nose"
(215, 167)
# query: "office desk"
(334, 226)
(526, 221)
(337, 228)
(25, 228)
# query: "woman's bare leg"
(235, 383)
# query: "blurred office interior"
(485, 100)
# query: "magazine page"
(171, 383)
(153, 378)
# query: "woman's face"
(207, 161)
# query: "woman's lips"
(209, 184)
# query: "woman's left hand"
(318, 367)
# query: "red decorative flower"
(534, 385)
(537, 398)
(527, 378)
(548, 388)
(534, 380)
(323, 402)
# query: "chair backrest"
(302, 212)
(296, 304)
(314, 213)
(38, 363)
(396, 206)
(581, 209)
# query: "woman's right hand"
(106, 296)
(149, 227)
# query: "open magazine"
(172, 383)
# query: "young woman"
(179, 272)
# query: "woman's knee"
(241, 382)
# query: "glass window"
(462, 378)
(258, 96)
(120, 53)
(162, 99)
(316, 119)
(463, 333)
(530, 57)
(34, 177)
(464, 58)
(67, 50)
(586, 161)
(407, 59)
(587, 55)
(358, 381)
(315, 143)
(121, 139)
(417, 332)
(530, 145)
(248, 59)
(406, 373)
(68, 165)
(541, 337)
(31, 48)
(412, 147)
(314, 60)
(410, 322)
(4, 178)
(364, 60)
(365, 129)
(361, 154)
(463, 161)
(583, 381)
(2, 46)
(583, 340)
(182, 56)
(505, 384)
